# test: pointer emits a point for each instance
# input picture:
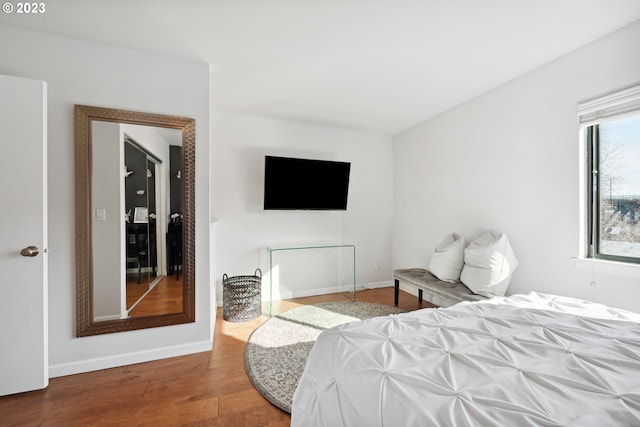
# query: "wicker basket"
(242, 297)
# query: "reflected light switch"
(101, 214)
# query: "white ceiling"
(376, 65)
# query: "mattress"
(524, 360)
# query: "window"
(611, 133)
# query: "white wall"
(244, 229)
(509, 160)
(80, 72)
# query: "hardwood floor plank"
(203, 389)
(164, 298)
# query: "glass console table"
(300, 248)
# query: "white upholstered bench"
(438, 292)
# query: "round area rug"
(277, 351)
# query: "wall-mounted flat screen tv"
(305, 184)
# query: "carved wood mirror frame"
(84, 115)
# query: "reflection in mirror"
(132, 222)
(137, 171)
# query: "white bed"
(525, 360)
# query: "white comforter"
(526, 360)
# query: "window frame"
(592, 113)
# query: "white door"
(23, 223)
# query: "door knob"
(30, 251)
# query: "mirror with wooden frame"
(135, 219)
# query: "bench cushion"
(436, 291)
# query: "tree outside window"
(618, 187)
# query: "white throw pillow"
(489, 263)
(448, 259)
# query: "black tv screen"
(305, 184)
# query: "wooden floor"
(164, 298)
(204, 389)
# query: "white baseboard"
(127, 359)
(312, 292)
(304, 293)
(321, 291)
(109, 317)
(331, 290)
(376, 285)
